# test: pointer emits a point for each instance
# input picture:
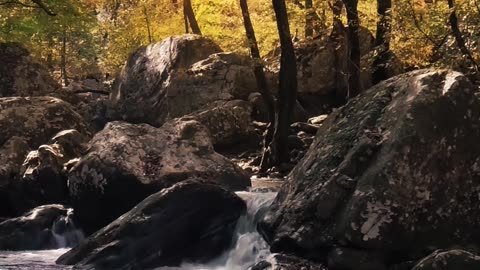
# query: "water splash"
(249, 246)
(65, 232)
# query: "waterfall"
(65, 233)
(248, 245)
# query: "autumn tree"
(62, 32)
(277, 151)
(31, 4)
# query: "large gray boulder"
(395, 166)
(21, 75)
(126, 163)
(139, 94)
(191, 221)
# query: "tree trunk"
(63, 64)
(185, 19)
(458, 35)
(258, 71)
(278, 151)
(382, 41)
(309, 18)
(190, 15)
(353, 49)
(336, 7)
(147, 22)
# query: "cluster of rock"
(388, 178)
(51, 156)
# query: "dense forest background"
(94, 37)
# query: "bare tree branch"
(38, 4)
(41, 5)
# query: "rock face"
(322, 65)
(43, 175)
(25, 124)
(37, 119)
(395, 166)
(227, 124)
(39, 229)
(220, 77)
(125, 163)
(191, 221)
(139, 94)
(20, 75)
(12, 154)
(449, 260)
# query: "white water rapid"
(248, 246)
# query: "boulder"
(191, 221)
(220, 77)
(43, 175)
(21, 75)
(449, 260)
(322, 66)
(139, 94)
(395, 166)
(12, 154)
(45, 227)
(126, 163)
(227, 124)
(91, 106)
(37, 119)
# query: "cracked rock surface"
(126, 163)
(395, 166)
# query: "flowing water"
(248, 246)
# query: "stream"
(247, 249)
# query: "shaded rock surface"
(140, 94)
(25, 124)
(37, 119)
(43, 175)
(260, 112)
(91, 106)
(191, 221)
(449, 260)
(322, 67)
(220, 77)
(12, 154)
(395, 166)
(227, 124)
(21, 75)
(125, 163)
(45, 227)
